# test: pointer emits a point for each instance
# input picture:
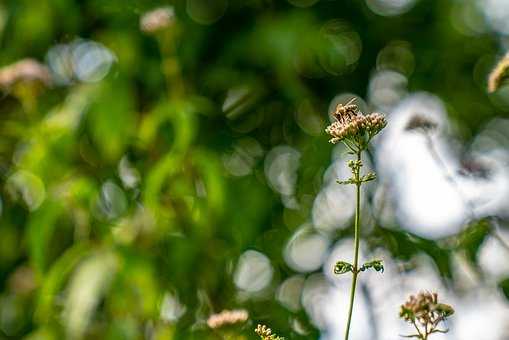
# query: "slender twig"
(357, 243)
(355, 130)
(417, 328)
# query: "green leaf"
(471, 239)
(40, 230)
(445, 309)
(375, 264)
(342, 267)
(55, 278)
(369, 177)
(111, 118)
(504, 286)
(346, 182)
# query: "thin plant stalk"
(355, 130)
(355, 272)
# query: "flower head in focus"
(354, 128)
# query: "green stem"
(357, 242)
(421, 337)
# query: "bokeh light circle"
(306, 250)
(390, 7)
(206, 12)
(253, 272)
(303, 3)
(341, 49)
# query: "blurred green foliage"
(116, 207)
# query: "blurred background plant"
(161, 162)
(426, 314)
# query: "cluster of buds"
(157, 20)
(351, 125)
(265, 333)
(355, 166)
(425, 311)
(227, 318)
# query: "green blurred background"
(152, 173)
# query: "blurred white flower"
(171, 308)
(157, 19)
(253, 272)
(81, 60)
(24, 70)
